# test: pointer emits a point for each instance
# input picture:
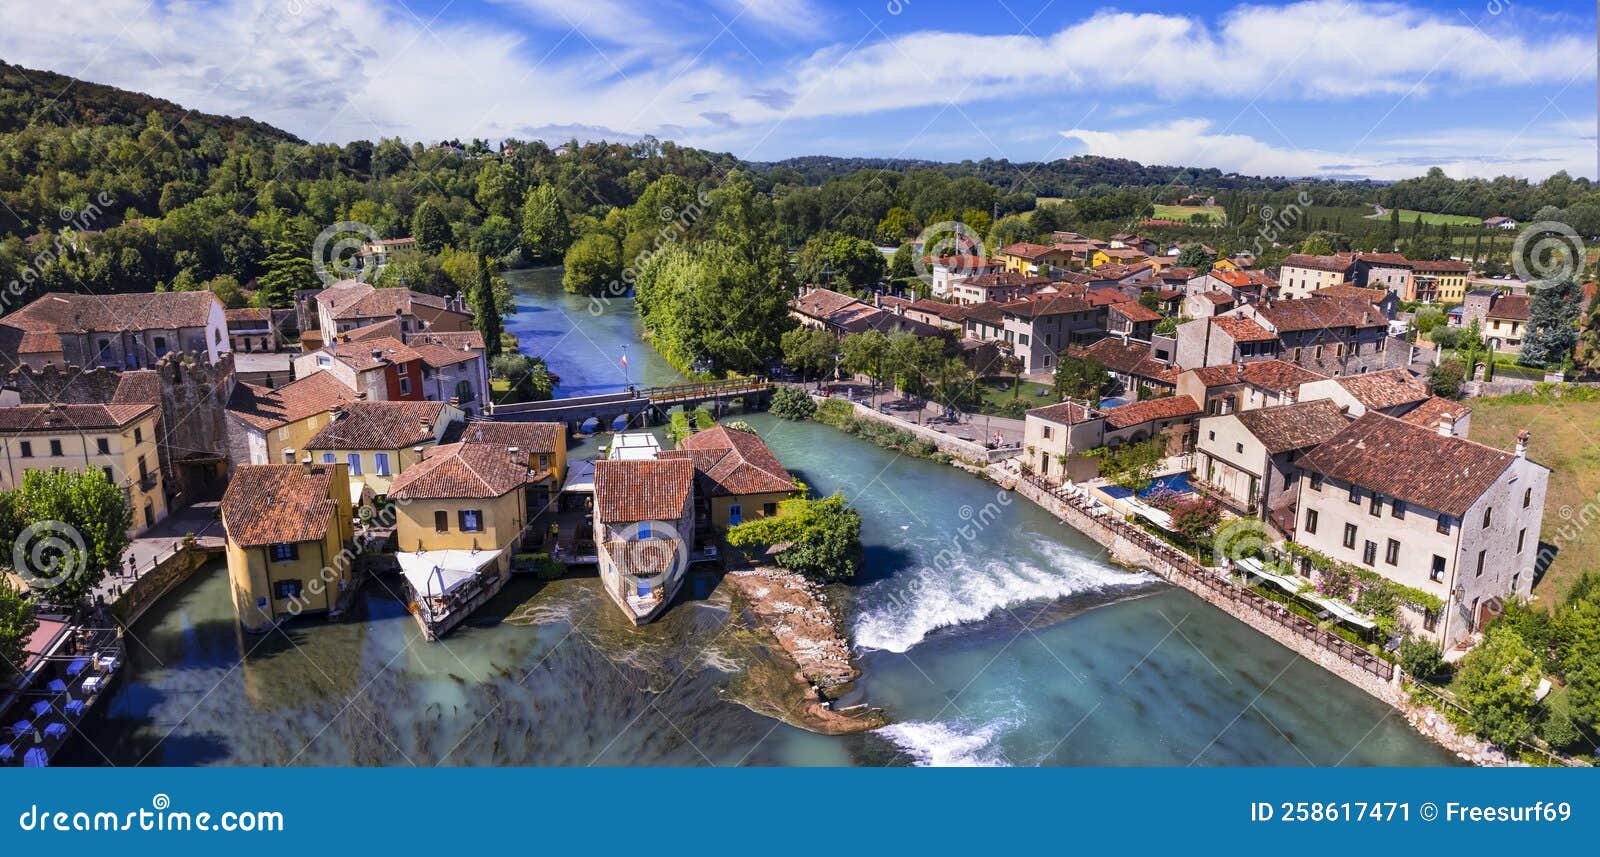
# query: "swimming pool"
(1177, 483)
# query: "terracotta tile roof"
(966, 262)
(140, 386)
(1005, 280)
(1218, 376)
(27, 419)
(379, 425)
(1045, 305)
(628, 491)
(1242, 329)
(1297, 426)
(733, 462)
(1118, 271)
(463, 471)
(1450, 266)
(266, 409)
(61, 312)
(1105, 296)
(1372, 296)
(534, 438)
(437, 349)
(1386, 389)
(1234, 279)
(1277, 375)
(248, 314)
(1175, 273)
(948, 312)
(1026, 250)
(1218, 297)
(1413, 463)
(645, 556)
(269, 504)
(985, 312)
(1066, 413)
(1337, 263)
(1126, 358)
(349, 299)
(823, 303)
(1135, 312)
(372, 353)
(389, 327)
(1389, 260)
(1512, 307)
(1164, 408)
(1428, 413)
(1320, 313)
(1165, 295)
(1128, 254)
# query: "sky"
(1315, 88)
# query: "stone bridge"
(643, 406)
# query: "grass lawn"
(1182, 213)
(1408, 216)
(997, 393)
(501, 393)
(1566, 439)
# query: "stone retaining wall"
(1288, 629)
(157, 582)
(947, 444)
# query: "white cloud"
(1535, 154)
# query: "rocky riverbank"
(797, 614)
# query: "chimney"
(361, 395)
(1447, 425)
(377, 354)
(513, 451)
(1522, 443)
(427, 426)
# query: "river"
(989, 632)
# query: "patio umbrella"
(41, 708)
(75, 707)
(56, 730)
(21, 727)
(77, 666)
(36, 758)
(58, 686)
(6, 753)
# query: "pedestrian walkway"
(160, 542)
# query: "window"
(1430, 620)
(1238, 447)
(1369, 552)
(1437, 574)
(329, 458)
(441, 522)
(769, 509)
(1350, 535)
(1046, 430)
(25, 449)
(110, 475)
(354, 460)
(1211, 435)
(1311, 521)
(55, 448)
(1488, 516)
(1444, 524)
(1376, 509)
(102, 446)
(1522, 537)
(285, 590)
(1481, 555)
(1391, 552)
(285, 552)
(1355, 495)
(1397, 508)
(1316, 481)
(644, 529)
(380, 463)
(161, 345)
(471, 520)
(138, 434)
(1527, 497)
(405, 386)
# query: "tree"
(833, 257)
(1081, 378)
(1577, 626)
(430, 228)
(17, 624)
(1194, 517)
(1132, 465)
(592, 263)
(528, 376)
(485, 314)
(903, 263)
(1447, 378)
(1552, 322)
(545, 231)
(823, 537)
(1421, 658)
(288, 270)
(1013, 365)
(1316, 245)
(792, 403)
(809, 351)
(866, 353)
(85, 504)
(1496, 683)
(1195, 256)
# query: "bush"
(1555, 724)
(835, 412)
(1421, 658)
(823, 537)
(792, 403)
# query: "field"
(1566, 438)
(1407, 217)
(997, 395)
(1182, 213)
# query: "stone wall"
(157, 582)
(947, 444)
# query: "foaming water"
(948, 744)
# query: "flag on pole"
(624, 359)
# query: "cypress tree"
(485, 313)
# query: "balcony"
(147, 481)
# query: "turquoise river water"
(988, 632)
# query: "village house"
(842, 315)
(1248, 459)
(1131, 364)
(1056, 438)
(736, 474)
(1038, 328)
(644, 529)
(251, 330)
(272, 426)
(1301, 274)
(1502, 318)
(1223, 339)
(1033, 259)
(1430, 413)
(117, 439)
(1383, 300)
(1120, 274)
(375, 255)
(349, 304)
(938, 314)
(1242, 286)
(1333, 336)
(1454, 518)
(1499, 222)
(1131, 319)
(1119, 256)
(288, 531)
(1440, 280)
(1391, 272)
(996, 287)
(117, 331)
(945, 270)
(461, 513)
(379, 440)
(1198, 305)
(1391, 391)
(1232, 387)
(380, 369)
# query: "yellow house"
(1116, 256)
(272, 426)
(1028, 258)
(1225, 265)
(1447, 277)
(736, 473)
(545, 445)
(461, 513)
(289, 532)
(378, 441)
(119, 440)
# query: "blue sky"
(1322, 87)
